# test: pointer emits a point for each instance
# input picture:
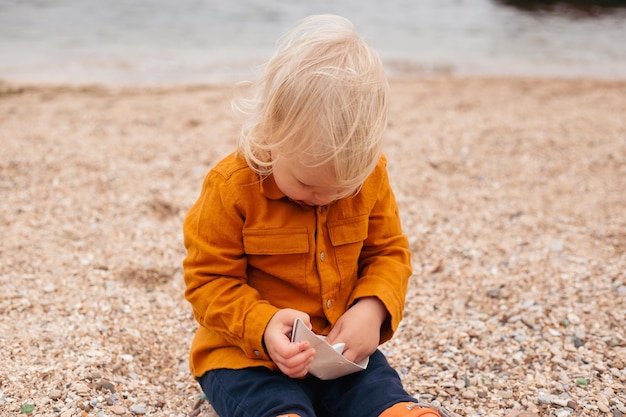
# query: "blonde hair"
(323, 99)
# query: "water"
(192, 41)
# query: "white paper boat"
(329, 363)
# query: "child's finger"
(303, 345)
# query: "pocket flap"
(349, 230)
(275, 241)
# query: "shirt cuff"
(256, 322)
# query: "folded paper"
(329, 363)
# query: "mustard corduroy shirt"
(253, 251)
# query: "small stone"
(138, 409)
(544, 398)
(562, 402)
(556, 245)
(563, 412)
(529, 322)
(68, 413)
(573, 318)
(505, 394)
(81, 389)
(118, 410)
(468, 394)
(603, 407)
(578, 342)
(55, 394)
(519, 336)
(107, 386)
(494, 292)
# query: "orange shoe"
(409, 410)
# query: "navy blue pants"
(260, 392)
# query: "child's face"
(314, 186)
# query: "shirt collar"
(269, 188)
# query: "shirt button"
(257, 353)
(322, 256)
(329, 303)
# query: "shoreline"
(11, 88)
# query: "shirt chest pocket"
(347, 238)
(277, 256)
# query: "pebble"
(599, 367)
(505, 394)
(494, 292)
(117, 410)
(107, 385)
(603, 407)
(563, 412)
(468, 394)
(49, 288)
(544, 398)
(68, 413)
(81, 389)
(138, 409)
(556, 245)
(573, 318)
(55, 394)
(559, 401)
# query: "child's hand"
(359, 328)
(293, 359)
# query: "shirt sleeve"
(385, 260)
(215, 270)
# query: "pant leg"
(364, 394)
(256, 392)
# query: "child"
(301, 222)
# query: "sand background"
(512, 193)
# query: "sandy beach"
(512, 192)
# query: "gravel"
(512, 192)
